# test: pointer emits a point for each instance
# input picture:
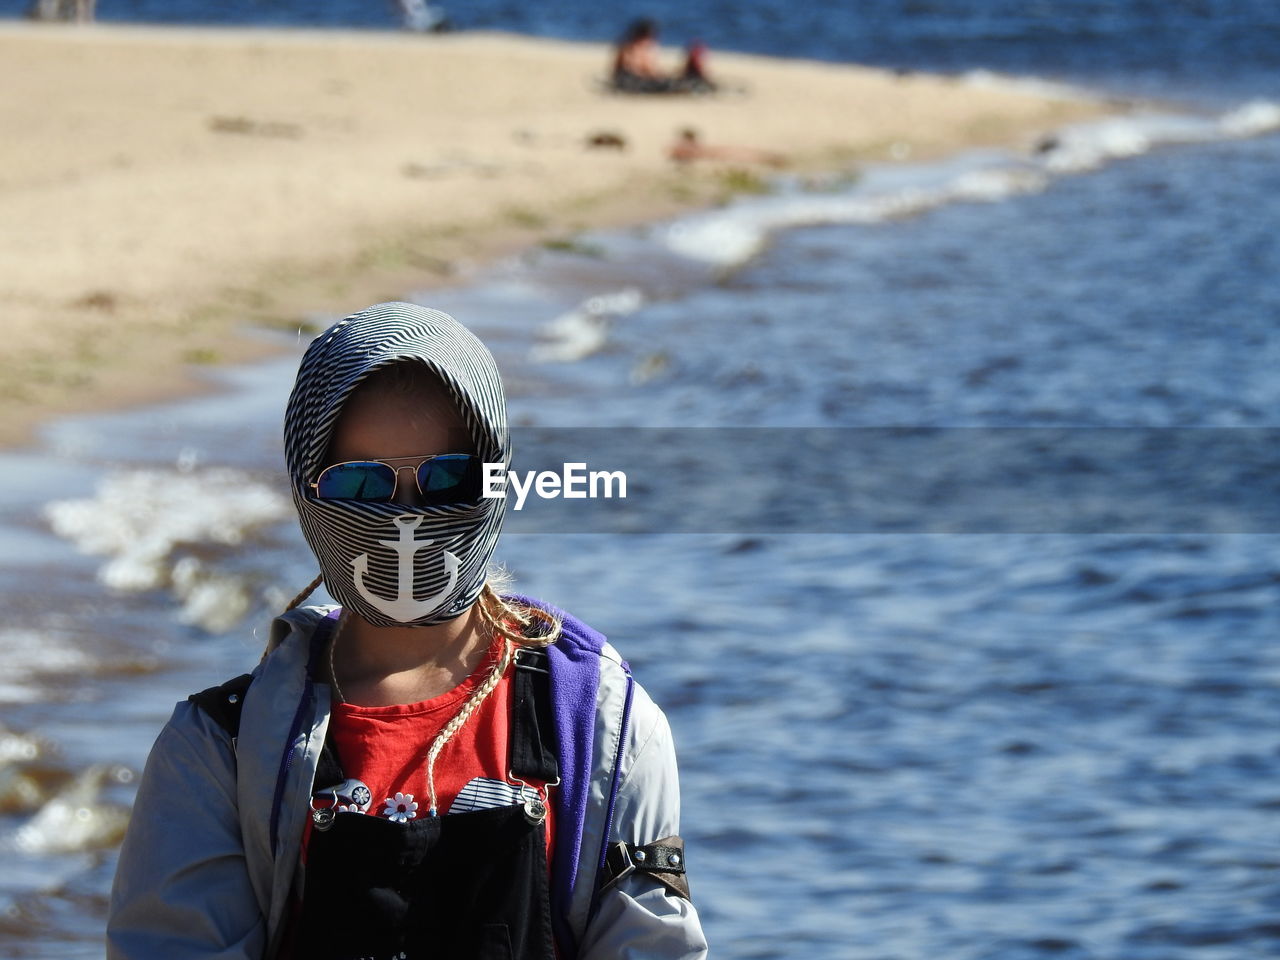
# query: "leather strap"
(663, 860)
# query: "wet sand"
(163, 189)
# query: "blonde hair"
(462, 716)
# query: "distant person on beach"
(636, 68)
(81, 11)
(688, 147)
(421, 17)
(434, 766)
(695, 76)
(635, 61)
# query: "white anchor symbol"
(404, 608)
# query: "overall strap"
(328, 770)
(534, 744)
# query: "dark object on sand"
(1047, 144)
(255, 128)
(103, 300)
(606, 140)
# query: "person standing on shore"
(81, 11)
(435, 767)
(421, 17)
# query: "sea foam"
(583, 330)
(730, 236)
(137, 519)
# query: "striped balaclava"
(396, 564)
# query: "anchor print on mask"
(404, 608)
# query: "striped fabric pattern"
(485, 793)
(361, 547)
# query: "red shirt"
(386, 748)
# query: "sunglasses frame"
(412, 464)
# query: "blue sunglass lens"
(449, 479)
(356, 481)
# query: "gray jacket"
(199, 875)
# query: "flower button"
(401, 808)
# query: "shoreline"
(177, 185)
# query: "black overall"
(455, 887)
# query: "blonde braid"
(461, 717)
(307, 591)
(310, 589)
(495, 610)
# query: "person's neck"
(380, 666)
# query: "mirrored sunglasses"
(443, 480)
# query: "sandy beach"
(162, 189)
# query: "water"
(1005, 746)
(1166, 47)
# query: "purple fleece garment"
(574, 662)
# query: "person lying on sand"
(689, 147)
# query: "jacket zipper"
(613, 790)
(319, 638)
(285, 763)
